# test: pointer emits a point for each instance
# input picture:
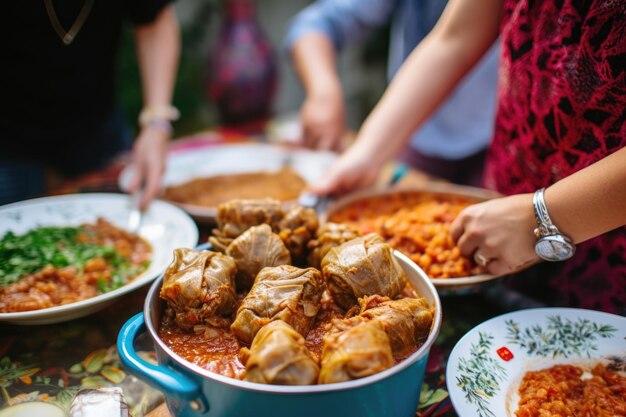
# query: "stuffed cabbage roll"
(284, 293)
(407, 321)
(354, 348)
(327, 237)
(236, 216)
(199, 287)
(255, 249)
(297, 228)
(360, 267)
(278, 356)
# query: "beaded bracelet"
(160, 114)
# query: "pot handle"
(162, 377)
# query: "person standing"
(559, 145)
(58, 81)
(452, 143)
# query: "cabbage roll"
(354, 348)
(278, 356)
(407, 321)
(360, 267)
(236, 216)
(284, 293)
(255, 249)
(327, 237)
(297, 228)
(199, 287)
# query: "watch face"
(554, 248)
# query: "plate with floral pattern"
(487, 365)
(164, 226)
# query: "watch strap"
(544, 222)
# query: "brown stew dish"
(566, 390)
(283, 185)
(257, 311)
(53, 266)
(415, 223)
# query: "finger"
(135, 180)
(153, 186)
(468, 244)
(457, 227)
(336, 181)
(326, 185)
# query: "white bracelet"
(153, 113)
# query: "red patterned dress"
(562, 107)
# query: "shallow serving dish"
(184, 165)
(163, 225)
(446, 286)
(192, 391)
(486, 366)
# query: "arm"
(584, 205)
(313, 39)
(463, 34)
(322, 114)
(158, 48)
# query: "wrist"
(164, 127)
(551, 244)
(325, 88)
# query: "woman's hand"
(498, 233)
(323, 121)
(354, 169)
(149, 154)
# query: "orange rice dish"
(566, 390)
(418, 225)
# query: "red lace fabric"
(562, 107)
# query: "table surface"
(51, 363)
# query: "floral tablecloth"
(51, 363)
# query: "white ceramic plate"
(187, 164)
(486, 366)
(458, 285)
(163, 225)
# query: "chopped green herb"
(59, 246)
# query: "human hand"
(323, 121)
(149, 153)
(354, 169)
(499, 231)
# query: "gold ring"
(480, 259)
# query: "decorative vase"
(241, 72)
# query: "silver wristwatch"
(551, 245)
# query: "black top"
(52, 94)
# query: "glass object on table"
(241, 72)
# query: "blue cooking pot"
(191, 391)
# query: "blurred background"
(362, 68)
